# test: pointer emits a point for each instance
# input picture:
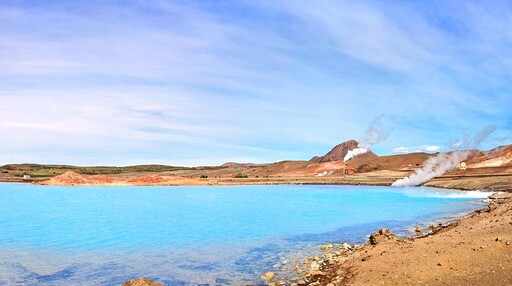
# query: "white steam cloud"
(355, 152)
(482, 135)
(444, 162)
(375, 134)
(433, 167)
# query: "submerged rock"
(269, 276)
(143, 281)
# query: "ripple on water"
(193, 235)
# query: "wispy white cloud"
(423, 148)
(174, 82)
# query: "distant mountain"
(498, 157)
(235, 164)
(339, 152)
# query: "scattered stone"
(498, 239)
(314, 276)
(384, 231)
(435, 228)
(507, 243)
(492, 206)
(314, 266)
(417, 229)
(439, 264)
(269, 276)
(384, 234)
(327, 246)
(143, 281)
(346, 246)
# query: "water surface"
(194, 235)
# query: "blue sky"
(205, 82)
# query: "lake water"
(195, 235)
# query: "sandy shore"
(476, 250)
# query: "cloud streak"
(267, 81)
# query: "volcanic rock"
(384, 234)
(435, 228)
(314, 276)
(346, 246)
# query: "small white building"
(463, 166)
(26, 177)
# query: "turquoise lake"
(195, 235)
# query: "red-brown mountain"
(339, 152)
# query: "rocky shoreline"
(475, 250)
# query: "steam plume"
(482, 135)
(444, 162)
(355, 152)
(375, 134)
(433, 167)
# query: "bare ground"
(493, 182)
(473, 251)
